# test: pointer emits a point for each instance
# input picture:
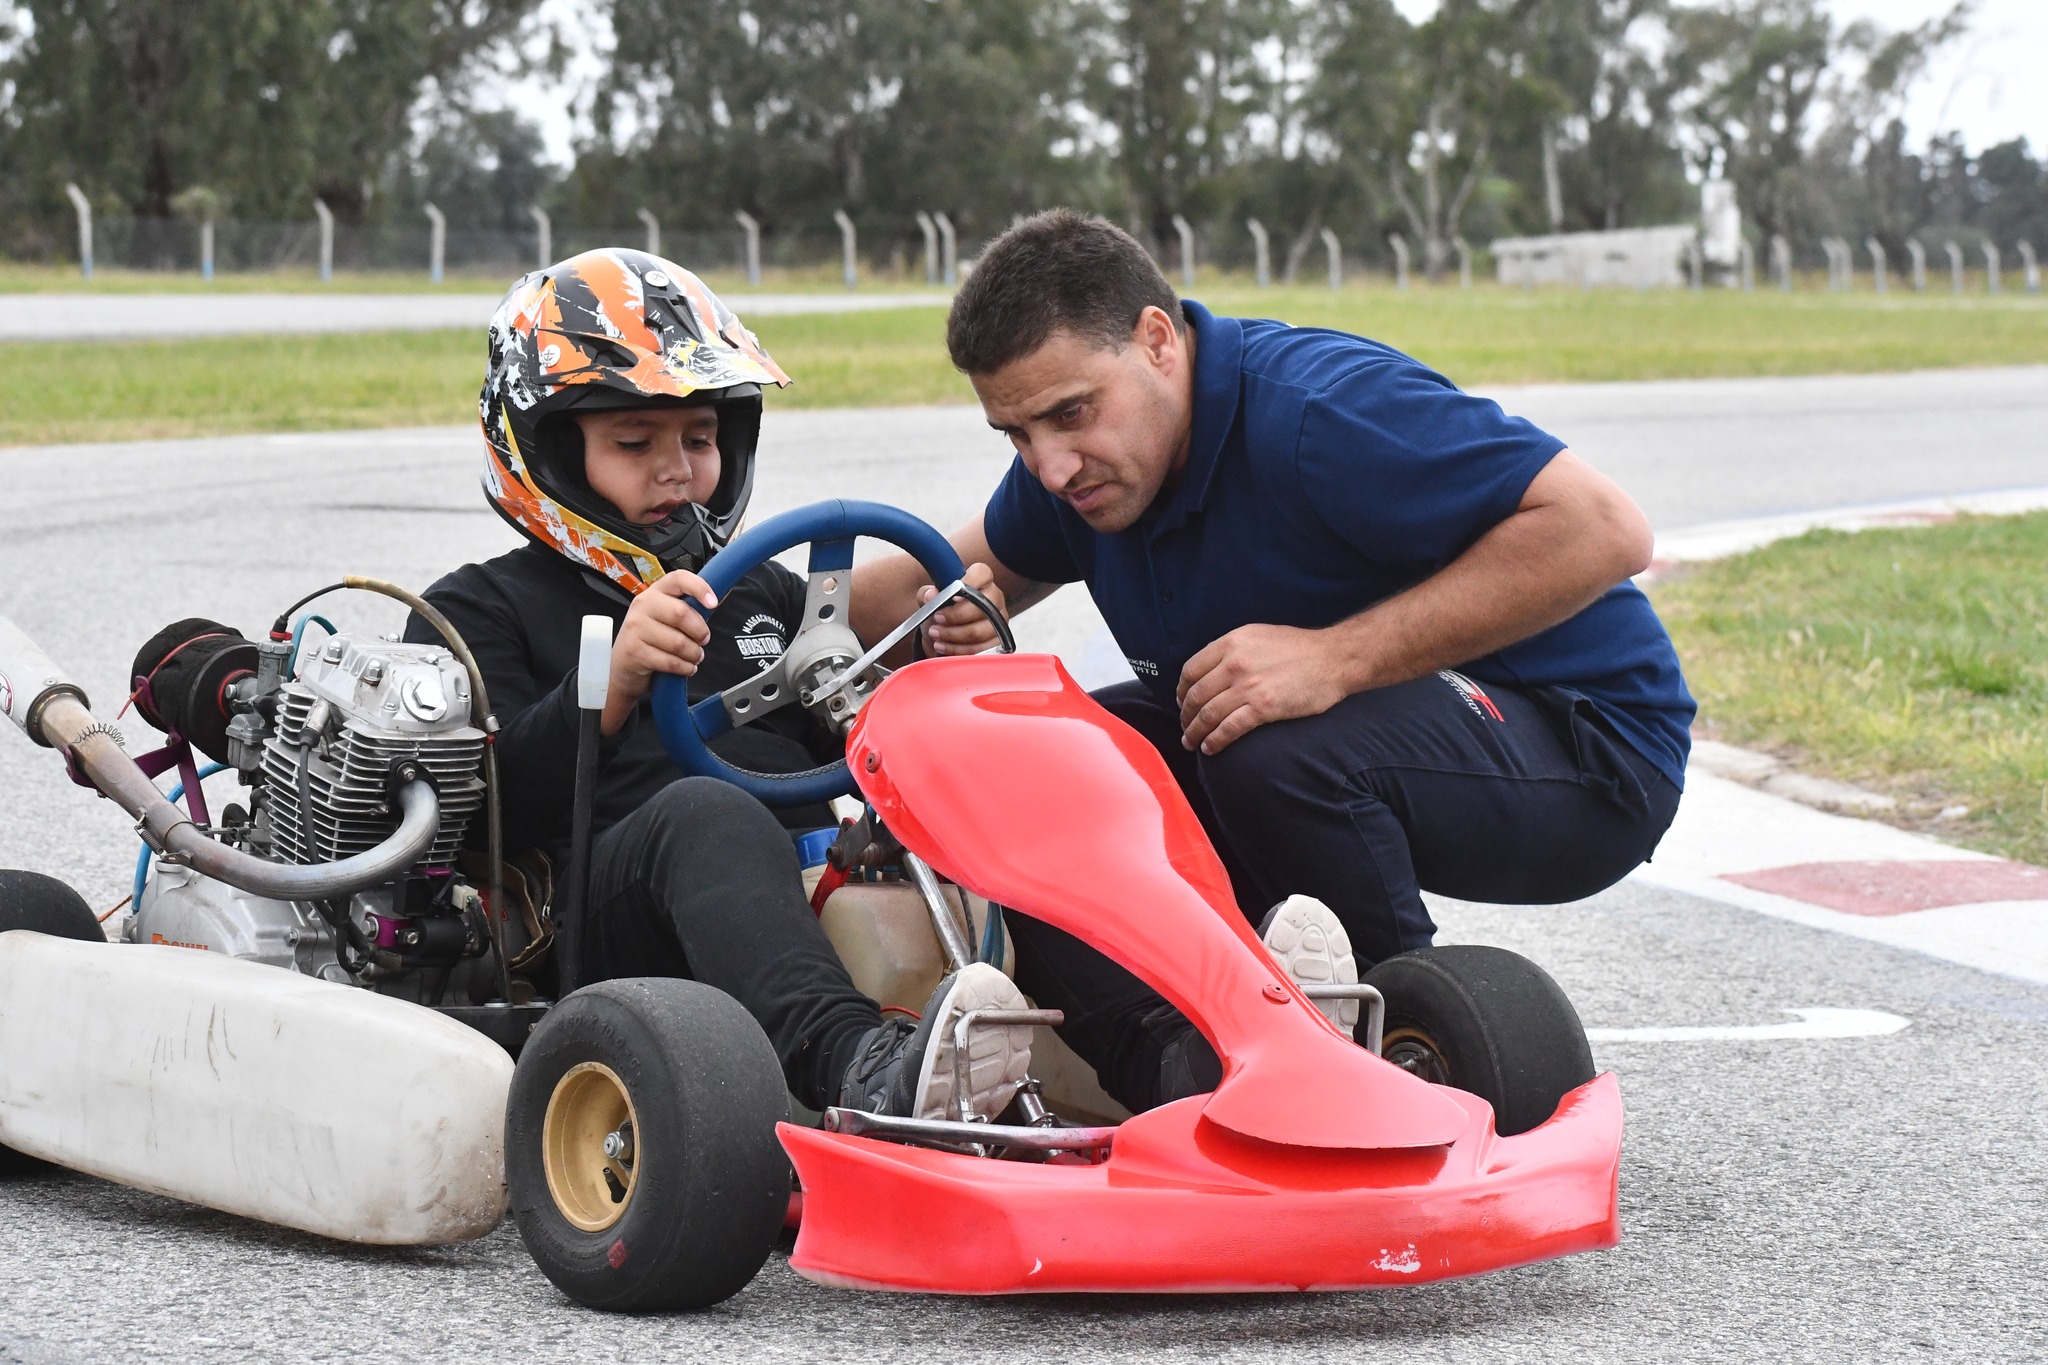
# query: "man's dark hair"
(1057, 271)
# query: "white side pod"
(252, 1090)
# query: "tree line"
(1489, 118)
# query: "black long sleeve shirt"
(522, 616)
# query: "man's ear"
(1157, 337)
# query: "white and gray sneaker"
(1308, 941)
(910, 1072)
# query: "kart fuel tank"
(883, 933)
(252, 1090)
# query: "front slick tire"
(1487, 1021)
(640, 1150)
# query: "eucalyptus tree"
(265, 103)
(789, 109)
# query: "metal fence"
(178, 245)
(918, 252)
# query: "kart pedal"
(1308, 941)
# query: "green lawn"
(78, 391)
(1912, 661)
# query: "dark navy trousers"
(1475, 791)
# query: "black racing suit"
(688, 876)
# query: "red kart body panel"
(1313, 1165)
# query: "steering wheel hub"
(824, 668)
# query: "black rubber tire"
(30, 900)
(1487, 1021)
(710, 1182)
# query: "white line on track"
(1808, 1023)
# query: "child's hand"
(661, 634)
(961, 628)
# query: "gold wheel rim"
(1416, 1053)
(591, 1186)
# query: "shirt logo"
(1144, 668)
(1476, 701)
(761, 639)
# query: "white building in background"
(1628, 258)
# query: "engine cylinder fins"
(341, 769)
(189, 665)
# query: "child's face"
(647, 462)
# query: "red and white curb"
(1760, 851)
(1747, 848)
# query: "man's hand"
(961, 628)
(1255, 675)
(661, 634)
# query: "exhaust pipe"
(52, 710)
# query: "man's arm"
(1574, 536)
(888, 590)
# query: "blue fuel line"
(142, 859)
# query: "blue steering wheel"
(824, 642)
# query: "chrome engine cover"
(353, 711)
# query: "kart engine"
(320, 753)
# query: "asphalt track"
(1867, 1198)
(81, 317)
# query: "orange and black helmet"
(616, 329)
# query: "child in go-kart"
(621, 410)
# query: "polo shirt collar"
(1219, 358)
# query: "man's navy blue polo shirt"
(1324, 473)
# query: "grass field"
(1912, 661)
(80, 391)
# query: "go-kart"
(647, 1140)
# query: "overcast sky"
(1993, 84)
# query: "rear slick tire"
(641, 1159)
(1486, 1021)
(30, 900)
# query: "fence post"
(1262, 253)
(949, 250)
(1955, 266)
(1695, 263)
(83, 208)
(1781, 262)
(206, 249)
(848, 246)
(1336, 254)
(930, 231)
(1187, 251)
(1745, 263)
(653, 225)
(326, 217)
(1464, 251)
(544, 235)
(1879, 270)
(752, 229)
(1918, 253)
(1400, 245)
(1991, 265)
(437, 241)
(2033, 267)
